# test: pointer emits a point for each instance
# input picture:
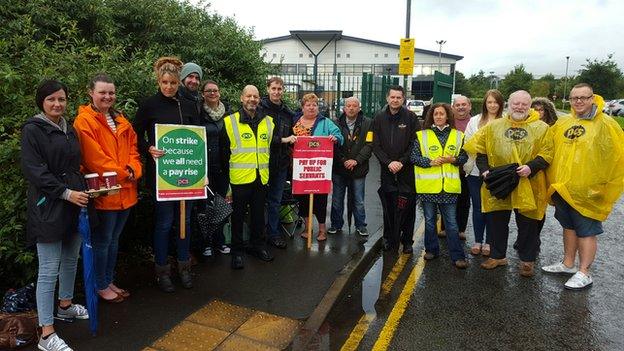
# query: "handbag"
(18, 329)
(216, 213)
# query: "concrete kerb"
(345, 279)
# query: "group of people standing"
(517, 161)
(574, 162)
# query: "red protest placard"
(312, 165)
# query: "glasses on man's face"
(211, 91)
(580, 98)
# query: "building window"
(376, 55)
(274, 55)
(338, 55)
(300, 55)
(386, 55)
(310, 55)
(348, 55)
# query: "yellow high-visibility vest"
(434, 179)
(249, 151)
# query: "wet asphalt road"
(450, 309)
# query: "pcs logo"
(247, 136)
(452, 147)
(574, 132)
(516, 133)
(433, 148)
(263, 136)
(313, 144)
(183, 181)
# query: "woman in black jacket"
(165, 107)
(50, 160)
(212, 114)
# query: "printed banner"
(182, 170)
(313, 158)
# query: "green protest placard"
(182, 170)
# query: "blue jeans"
(56, 260)
(479, 219)
(448, 212)
(340, 184)
(167, 213)
(274, 202)
(105, 242)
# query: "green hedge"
(620, 121)
(71, 41)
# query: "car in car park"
(615, 107)
(416, 106)
(323, 108)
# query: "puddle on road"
(371, 286)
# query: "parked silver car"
(416, 106)
(616, 107)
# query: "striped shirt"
(111, 122)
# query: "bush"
(73, 40)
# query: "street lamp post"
(440, 42)
(565, 83)
(491, 79)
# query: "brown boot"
(184, 272)
(492, 263)
(526, 269)
(163, 278)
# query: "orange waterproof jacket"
(104, 151)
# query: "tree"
(461, 84)
(517, 79)
(479, 84)
(73, 40)
(604, 76)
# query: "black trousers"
(399, 214)
(248, 197)
(528, 235)
(319, 206)
(463, 205)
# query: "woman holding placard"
(109, 148)
(312, 123)
(165, 107)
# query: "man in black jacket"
(279, 162)
(351, 166)
(191, 76)
(394, 129)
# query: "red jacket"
(104, 151)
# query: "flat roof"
(328, 34)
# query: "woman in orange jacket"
(108, 144)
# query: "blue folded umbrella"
(88, 269)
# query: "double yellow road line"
(385, 337)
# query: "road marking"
(385, 337)
(360, 329)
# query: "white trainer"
(560, 268)
(579, 281)
(74, 311)
(53, 343)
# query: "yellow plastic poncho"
(588, 164)
(506, 141)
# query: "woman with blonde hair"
(492, 108)
(312, 123)
(165, 107)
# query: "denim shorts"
(569, 218)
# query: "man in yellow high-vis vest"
(245, 142)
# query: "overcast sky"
(491, 35)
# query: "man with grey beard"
(517, 138)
